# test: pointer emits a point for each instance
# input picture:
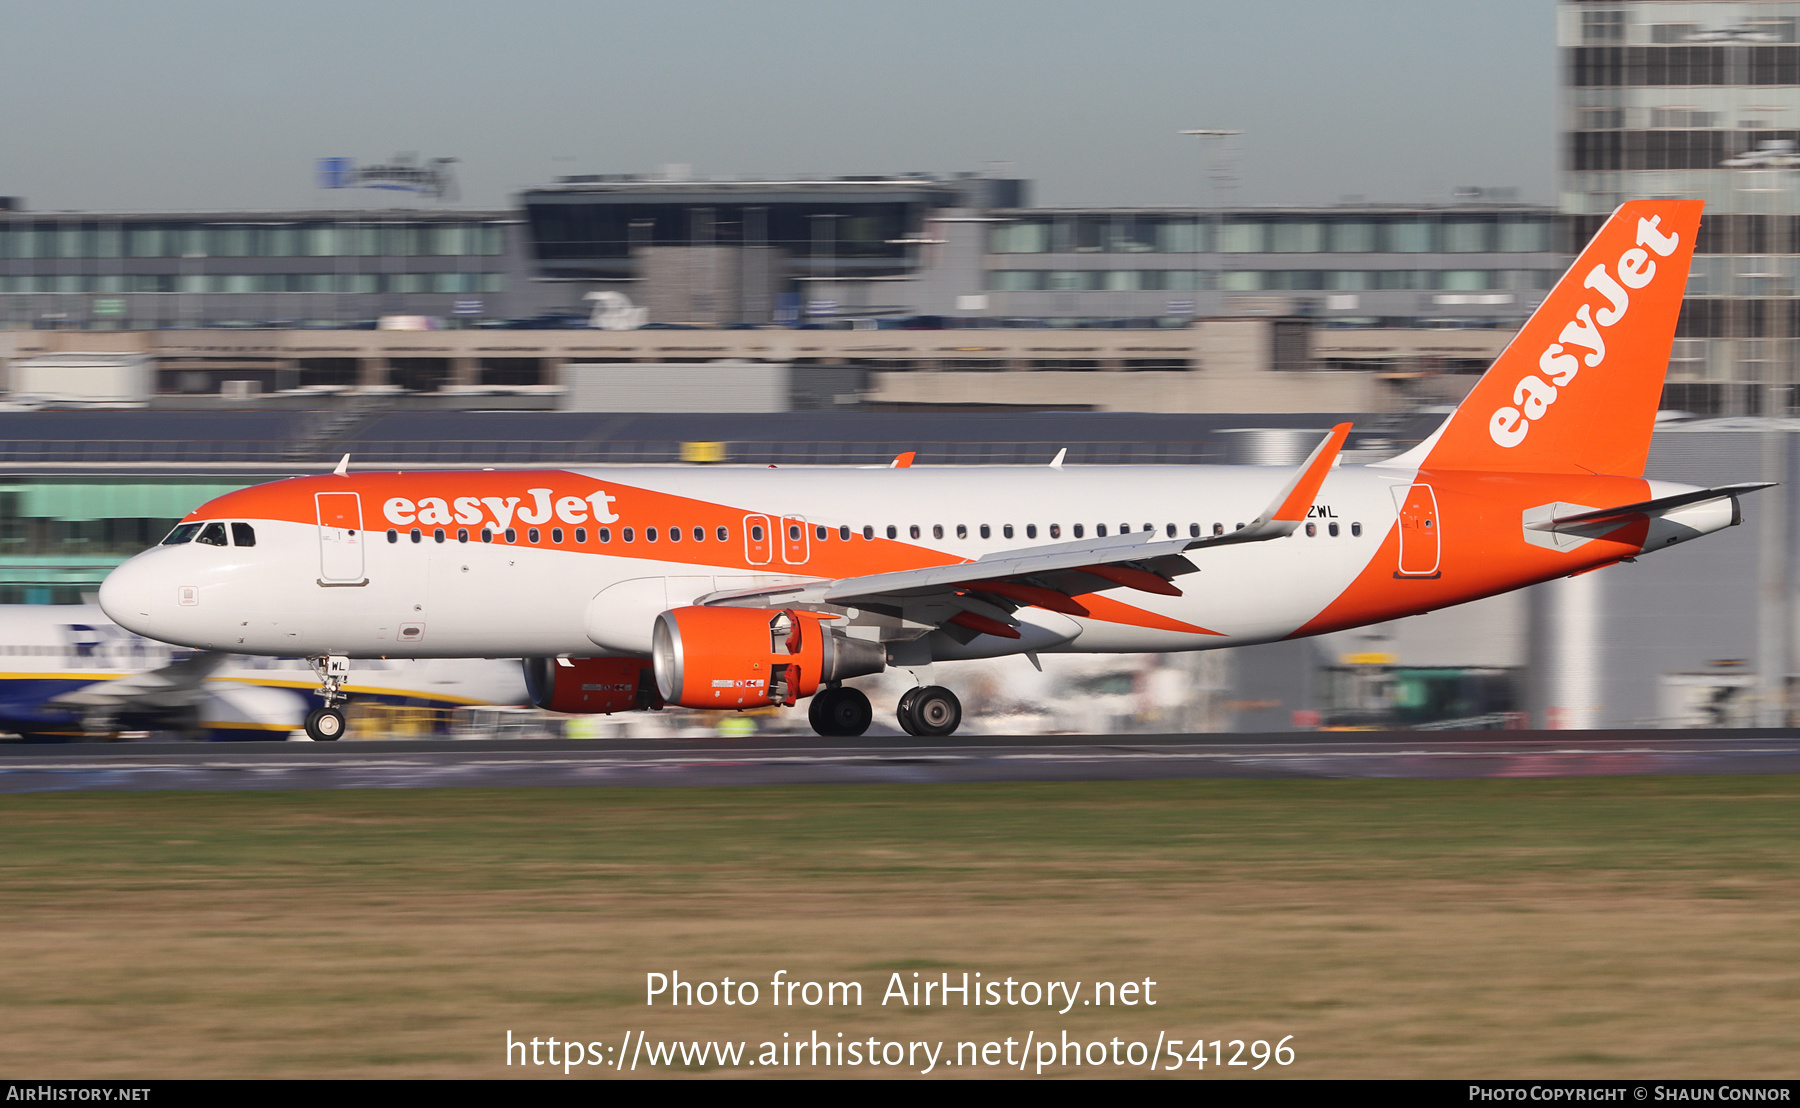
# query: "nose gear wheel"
(325, 725)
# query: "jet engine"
(750, 657)
(586, 686)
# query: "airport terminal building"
(719, 253)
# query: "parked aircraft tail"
(1577, 389)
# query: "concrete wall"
(677, 387)
(1231, 373)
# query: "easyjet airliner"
(740, 588)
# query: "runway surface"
(792, 760)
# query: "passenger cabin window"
(182, 534)
(462, 534)
(604, 534)
(844, 532)
(1332, 528)
(1356, 530)
(699, 534)
(937, 530)
(1193, 530)
(416, 535)
(581, 535)
(822, 531)
(913, 530)
(512, 535)
(393, 535)
(893, 532)
(437, 534)
(556, 535)
(213, 534)
(1169, 530)
(1031, 530)
(869, 531)
(487, 534)
(1078, 531)
(649, 534)
(985, 532)
(1100, 530)
(242, 534)
(1006, 530)
(1056, 530)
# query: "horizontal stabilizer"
(1655, 507)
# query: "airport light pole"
(1217, 179)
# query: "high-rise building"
(1697, 99)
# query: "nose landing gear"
(931, 711)
(327, 724)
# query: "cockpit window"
(184, 533)
(242, 534)
(212, 534)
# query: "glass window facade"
(1243, 236)
(1468, 236)
(1353, 237)
(1296, 238)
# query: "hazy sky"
(197, 103)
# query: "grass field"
(1580, 927)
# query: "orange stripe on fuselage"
(1108, 610)
(639, 509)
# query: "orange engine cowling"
(585, 686)
(750, 657)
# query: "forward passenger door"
(340, 538)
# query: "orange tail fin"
(1576, 390)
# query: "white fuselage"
(495, 599)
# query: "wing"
(980, 596)
(173, 686)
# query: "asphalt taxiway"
(793, 760)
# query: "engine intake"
(588, 686)
(750, 657)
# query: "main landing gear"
(327, 724)
(840, 712)
(931, 711)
